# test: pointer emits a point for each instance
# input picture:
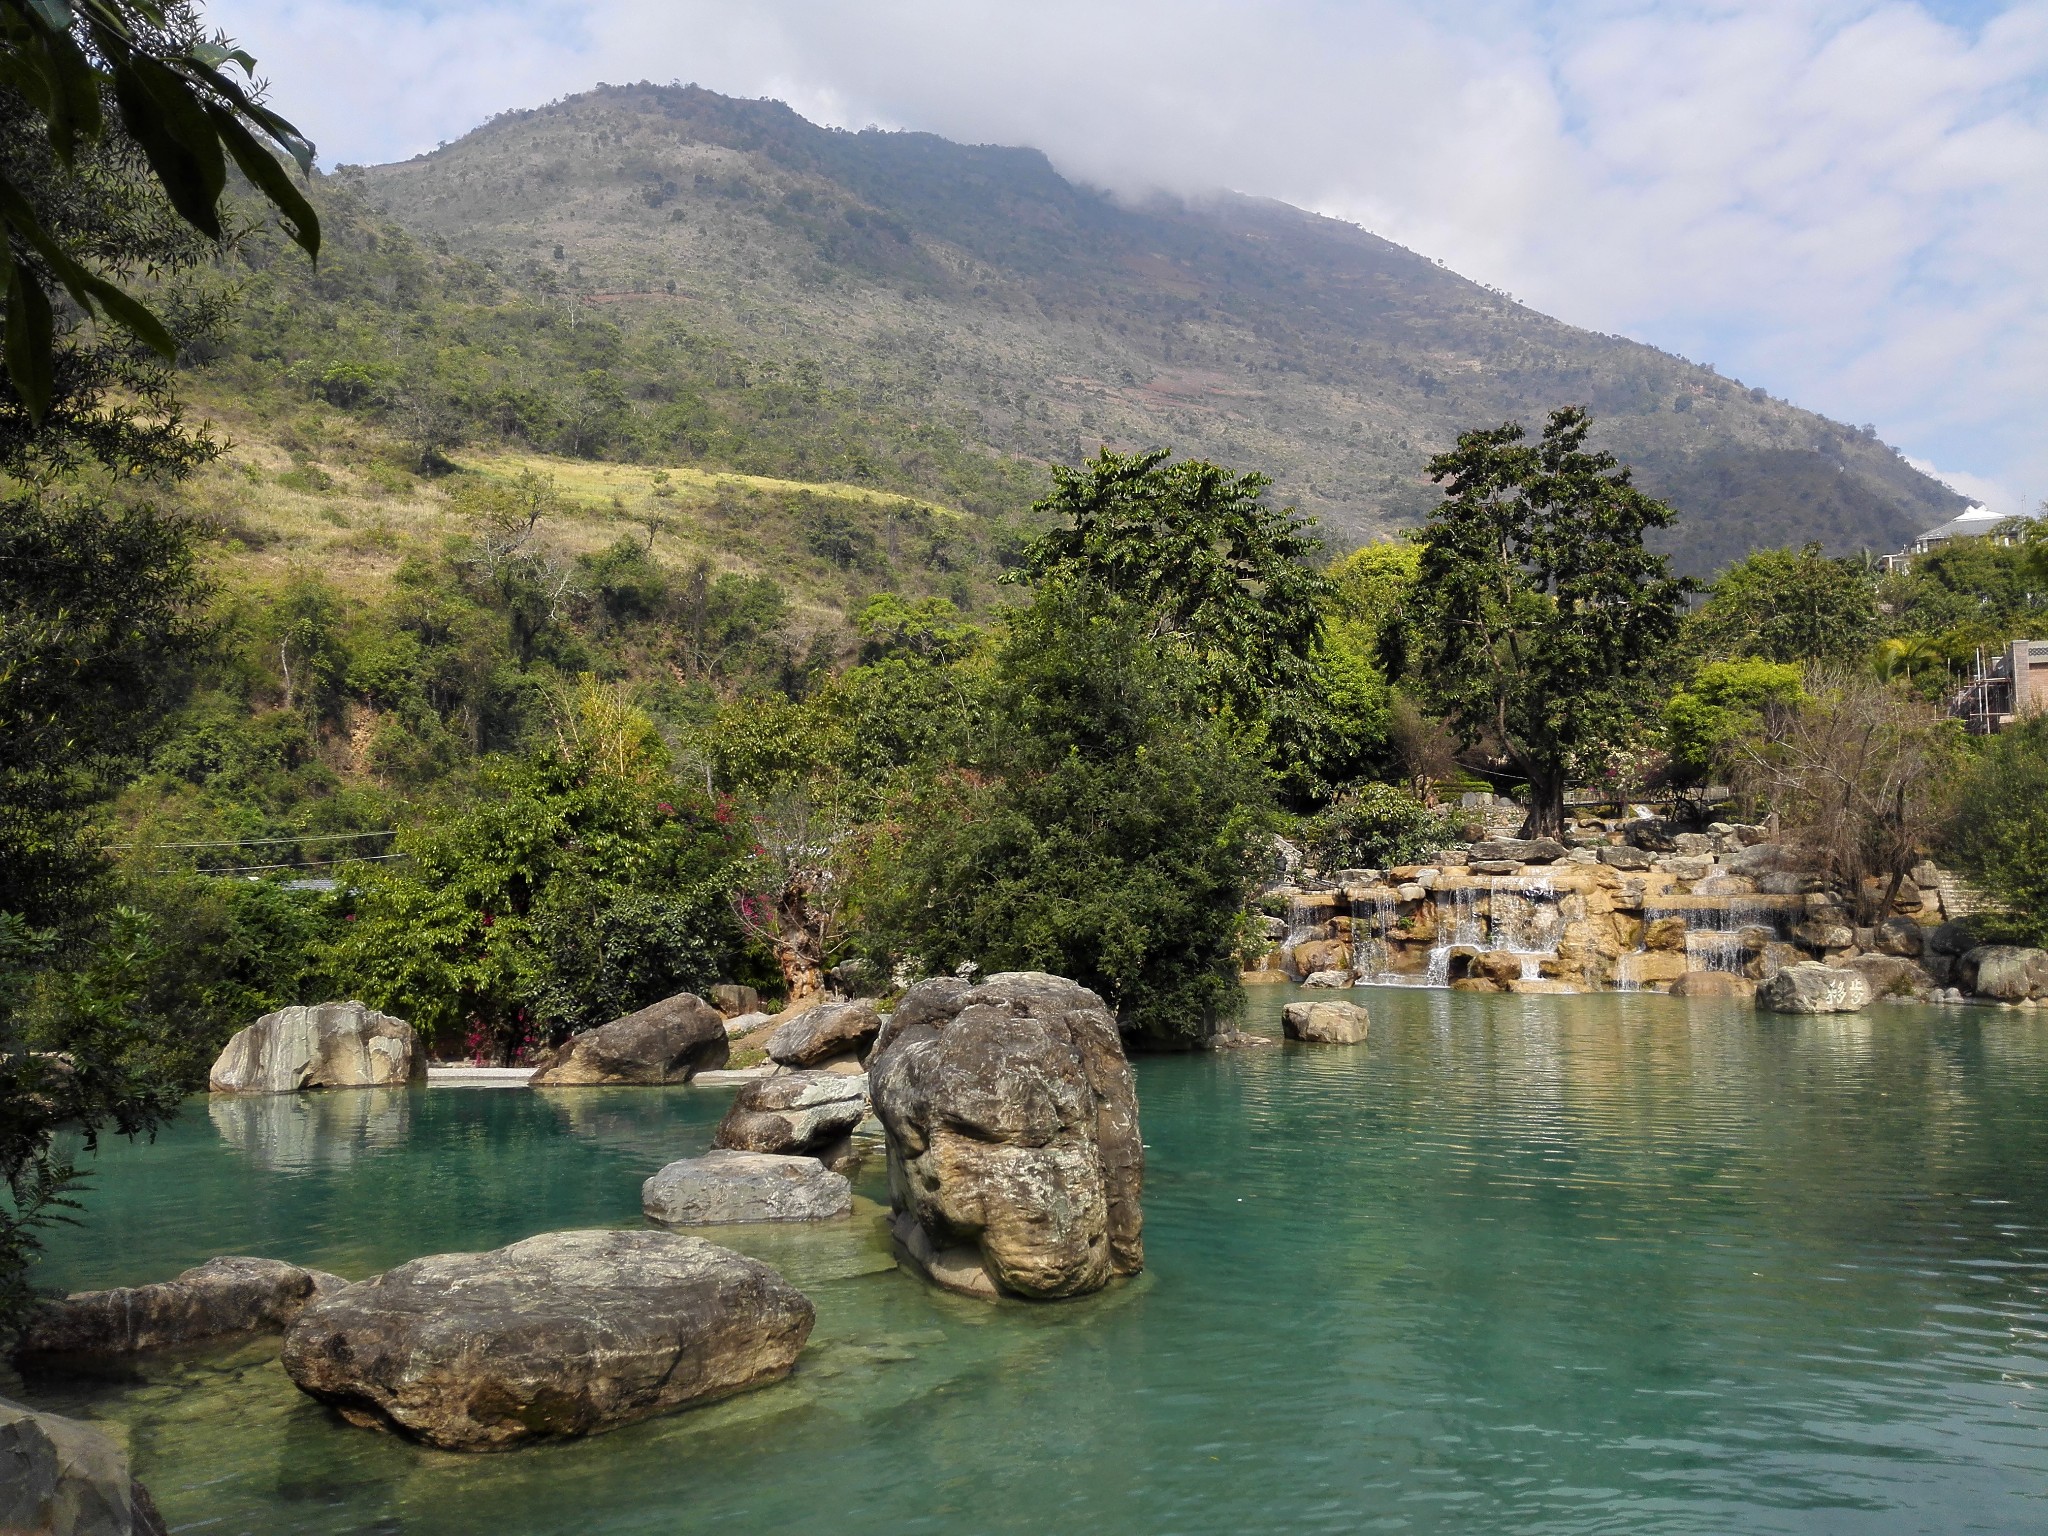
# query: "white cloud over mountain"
(1843, 201)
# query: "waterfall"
(1369, 950)
(1714, 936)
(1521, 917)
(1461, 925)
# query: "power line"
(253, 869)
(267, 842)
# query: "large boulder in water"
(568, 1333)
(2005, 972)
(59, 1477)
(326, 1045)
(818, 1035)
(1015, 1163)
(797, 1113)
(222, 1296)
(665, 1042)
(1325, 1023)
(1810, 987)
(727, 1187)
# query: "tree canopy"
(79, 64)
(1537, 614)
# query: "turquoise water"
(1617, 1263)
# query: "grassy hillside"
(975, 289)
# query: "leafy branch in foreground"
(174, 98)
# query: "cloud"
(1845, 201)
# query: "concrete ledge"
(478, 1077)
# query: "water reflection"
(299, 1132)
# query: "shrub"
(1374, 826)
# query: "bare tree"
(1860, 774)
(794, 895)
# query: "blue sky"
(1844, 201)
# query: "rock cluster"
(327, 1045)
(1634, 903)
(665, 1042)
(222, 1296)
(568, 1333)
(59, 1477)
(730, 1187)
(1015, 1163)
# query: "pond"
(1613, 1263)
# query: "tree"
(1102, 827)
(1998, 835)
(581, 883)
(168, 89)
(1707, 719)
(1537, 615)
(98, 614)
(1220, 575)
(1859, 773)
(1789, 606)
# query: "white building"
(1974, 522)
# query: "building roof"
(1973, 522)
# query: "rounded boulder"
(564, 1334)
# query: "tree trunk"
(800, 950)
(1546, 803)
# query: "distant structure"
(1975, 522)
(2004, 686)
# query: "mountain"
(977, 284)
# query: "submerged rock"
(665, 1042)
(1713, 984)
(222, 1296)
(326, 1045)
(1238, 1040)
(724, 1186)
(59, 1477)
(1810, 987)
(817, 1035)
(568, 1333)
(799, 1112)
(1015, 1163)
(1325, 1023)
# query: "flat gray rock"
(327, 1045)
(59, 1477)
(727, 1187)
(567, 1333)
(222, 1296)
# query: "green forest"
(417, 634)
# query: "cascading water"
(1525, 921)
(1719, 938)
(1521, 917)
(1369, 941)
(1462, 925)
